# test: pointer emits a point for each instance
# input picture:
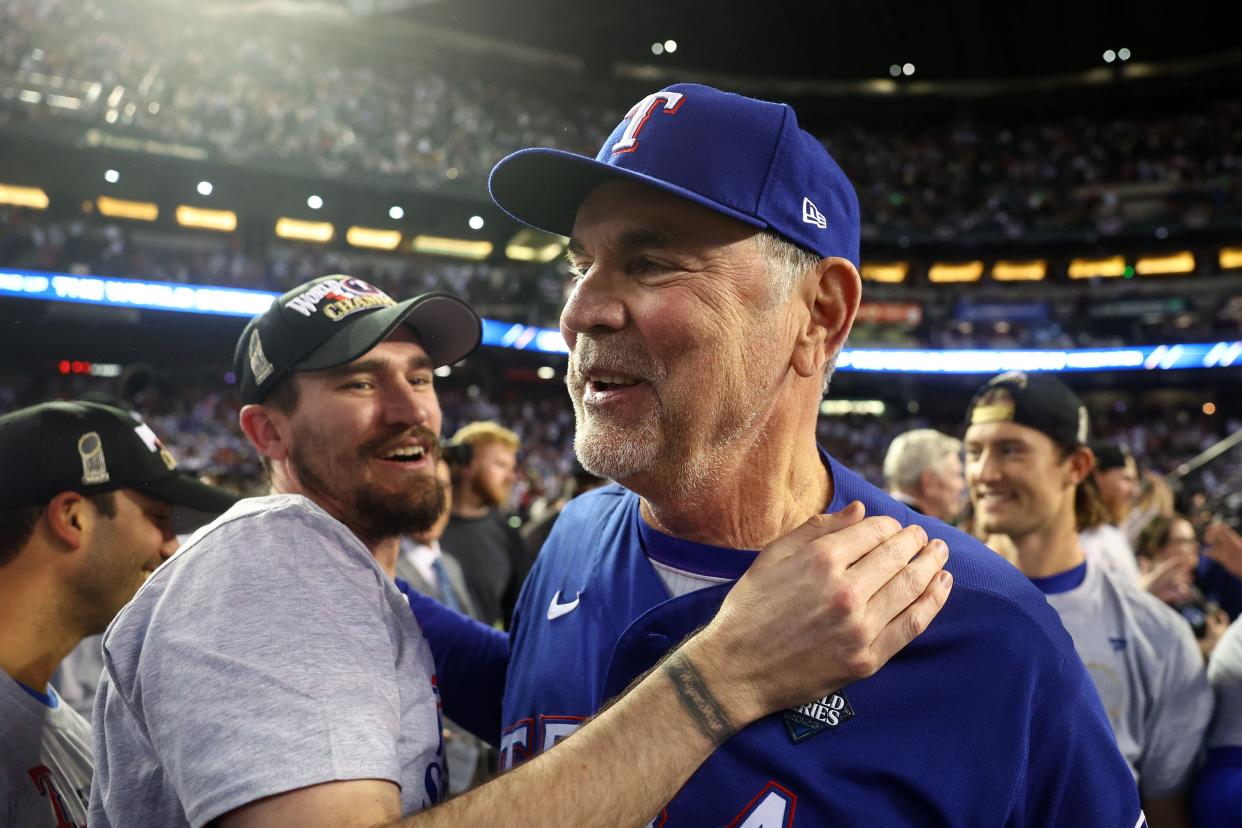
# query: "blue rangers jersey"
(987, 719)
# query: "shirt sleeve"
(1225, 676)
(1076, 774)
(267, 666)
(1177, 721)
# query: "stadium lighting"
(531, 245)
(205, 188)
(836, 408)
(1032, 271)
(314, 202)
(19, 196)
(373, 238)
(894, 71)
(657, 48)
(443, 371)
(1123, 53)
(123, 208)
(1109, 268)
(670, 46)
(458, 248)
(1230, 258)
(223, 221)
(546, 372)
(476, 222)
(396, 213)
(907, 69)
(893, 272)
(955, 272)
(112, 176)
(1209, 408)
(1110, 56)
(1183, 262)
(312, 231)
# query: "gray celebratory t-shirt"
(45, 759)
(269, 654)
(1225, 674)
(1149, 673)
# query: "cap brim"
(447, 329)
(188, 491)
(545, 187)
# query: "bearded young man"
(273, 674)
(715, 250)
(1027, 466)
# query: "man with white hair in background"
(923, 469)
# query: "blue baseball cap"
(739, 156)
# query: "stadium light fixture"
(1032, 271)
(476, 222)
(205, 188)
(1166, 265)
(670, 46)
(894, 71)
(311, 231)
(907, 69)
(836, 408)
(123, 208)
(1230, 258)
(1111, 267)
(112, 176)
(1109, 56)
(546, 372)
(1123, 53)
(892, 272)
(222, 221)
(18, 196)
(314, 202)
(531, 245)
(443, 371)
(396, 213)
(373, 238)
(942, 272)
(458, 248)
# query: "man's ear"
(1080, 463)
(263, 427)
(69, 519)
(927, 481)
(832, 297)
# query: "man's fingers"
(874, 569)
(816, 527)
(850, 543)
(909, 582)
(912, 621)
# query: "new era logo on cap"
(812, 215)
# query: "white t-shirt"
(1106, 546)
(1225, 674)
(45, 759)
(270, 653)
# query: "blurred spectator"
(478, 534)
(923, 469)
(1168, 550)
(537, 531)
(1116, 476)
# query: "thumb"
(815, 527)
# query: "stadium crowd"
(250, 96)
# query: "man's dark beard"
(372, 515)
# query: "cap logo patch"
(812, 215)
(340, 298)
(153, 444)
(996, 406)
(640, 112)
(260, 366)
(94, 469)
(1017, 378)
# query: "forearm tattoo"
(693, 692)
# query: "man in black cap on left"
(87, 494)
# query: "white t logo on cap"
(640, 112)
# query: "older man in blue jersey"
(715, 250)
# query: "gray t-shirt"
(1225, 674)
(45, 759)
(269, 654)
(1148, 670)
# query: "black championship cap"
(1038, 401)
(333, 320)
(1110, 455)
(91, 449)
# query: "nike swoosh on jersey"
(556, 609)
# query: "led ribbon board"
(168, 296)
